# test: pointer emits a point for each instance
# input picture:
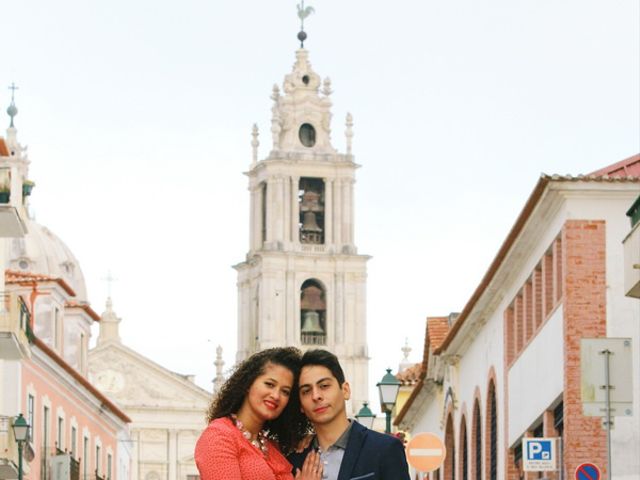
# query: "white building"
(303, 283)
(509, 366)
(167, 410)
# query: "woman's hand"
(304, 443)
(311, 468)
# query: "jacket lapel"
(354, 445)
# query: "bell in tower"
(311, 210)
(312, 313)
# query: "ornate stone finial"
(275, 92)
(302, 14)
(254, 143)
(12, 110)
(326, 87)
(276, 128)
(109, 325)
(218, 381)
(406, 350)
(349, 132)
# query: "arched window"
(476, 435)
(492, 433)
(450, 444)
(311, 208)
(313, 308)
(463, 456)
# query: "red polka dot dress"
(222, 453)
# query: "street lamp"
(365, 416)
(388, 386)
(21, 432)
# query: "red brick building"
(509, 364)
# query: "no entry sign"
(426, 452)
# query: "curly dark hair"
(291, 426)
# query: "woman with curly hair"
(256, 417)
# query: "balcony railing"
(15, 328)
(313, 339)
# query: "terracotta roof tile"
(84, 306)
(22, 278)
(437, 329)
(629, 167)
(410, 375)
(4, 151)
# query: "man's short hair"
(323, 358)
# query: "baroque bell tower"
(303, 283)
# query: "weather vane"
(303, 12)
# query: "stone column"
(347, 219)
(295, 212)
(328, 211)
(172, 458)
(257, 216)
(286, 196)
(338, 208)
(270, 220)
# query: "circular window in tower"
(307, 135)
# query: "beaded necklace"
(260, 442)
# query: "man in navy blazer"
(348, 450)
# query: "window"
(109, 460)
(45, 444)
(477, 453)
(311, 209)
(307, 135)
(313, 326)
(450, 444)
(85, 458)
(31, 414)
(56, 328)
(493, 434)
(97, 460)
(83, 352)
(74, 439)
(464, 453)
(60, 443)
(263, 194)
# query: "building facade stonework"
(303, 283)
(167, 410)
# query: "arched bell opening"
(311, 202)
(313, 310)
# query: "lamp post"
(365, 416)
(21, 433)
(388, 387)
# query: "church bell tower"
(303, 283)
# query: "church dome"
(41, 251)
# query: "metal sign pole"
(607, 387)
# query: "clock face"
(110, 381)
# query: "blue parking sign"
(539, 454)
(539, 450)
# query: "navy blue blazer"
(369, 456)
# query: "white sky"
(138, 116)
